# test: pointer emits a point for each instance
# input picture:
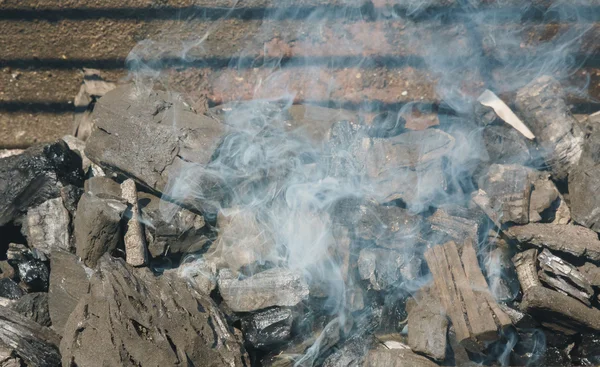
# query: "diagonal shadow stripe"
(371, 105)
(487, 14)
(331, 62)
(217, 62)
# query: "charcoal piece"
(47, 226)
(200, 273)
(396, 358)
(408, 166)
(543, 196)
(384, 268)
(505, 145)
(273, 287)
(35, 344)
(135, 241)
(509, 189)
(391, 227)
(464, 295)
(34, 306)
(584, 183)
(428, 326)
(591, 272)
(9, 289)
(351, 353)
(266, 328)
(542, 105)
(35, 275)
(103, 187)
(453, 227)
(70, 195)
(559, 312)
(37, 175)
(526, 267)
(127, 307)
(153, 138)
(68, 283)
(242, 241)
(571, 239)
(171, 229)
(584, 180)
(564, 277)
(97, 227)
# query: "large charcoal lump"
(130, 317)
(38, 174)
(154, 137)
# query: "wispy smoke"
(290, 178)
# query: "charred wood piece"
(526, 266)
(464, 295)
(571, 239)
(564, 277)
(542, 105)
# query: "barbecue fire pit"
(380, 183)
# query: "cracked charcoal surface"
(126, 307)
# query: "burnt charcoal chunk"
(35, 176)
(384, 268)
(242, 241)
(408, 166)
(35, 344)
(9, 289)
(542, 105)
(584, 184)
(559, 274)
(273, 287)
(68, 283)
(427, 326)
(268, 327)
(34, 306)
(35, 275)
(97, 227)
(128, 307)
(560, 312)
(351, 353)
(152, 138)
(71, 195)
(509, 189)
(506, 145)
(171, 229)
(571, 239)
(391, 227)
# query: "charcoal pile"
(263, 234)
